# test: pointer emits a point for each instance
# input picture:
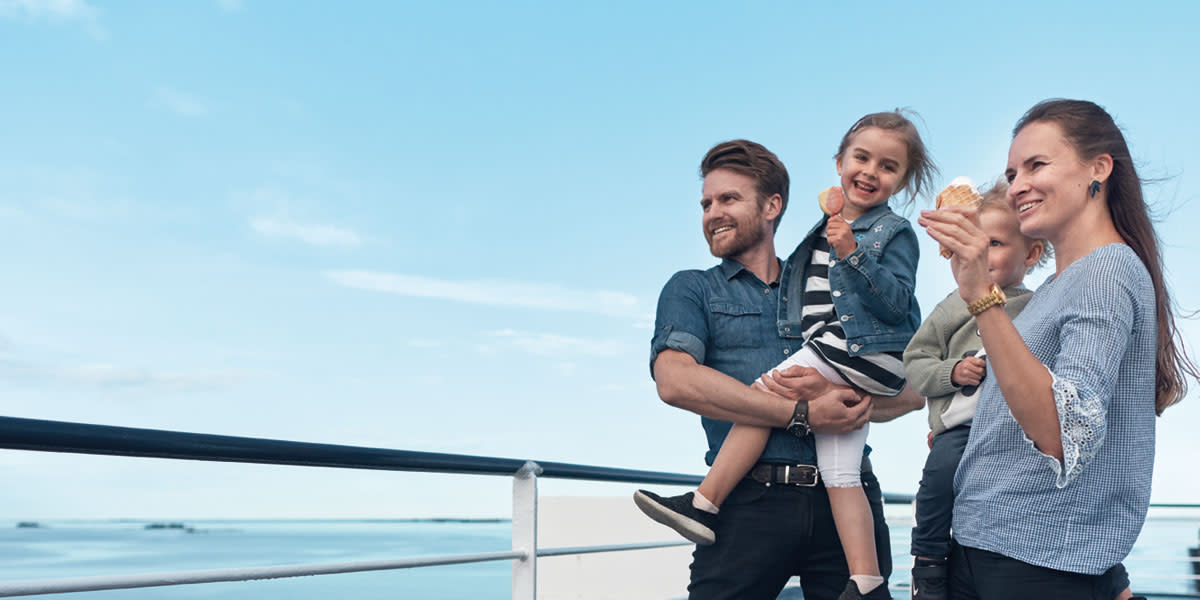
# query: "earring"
(1093, 189)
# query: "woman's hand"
(957, 228)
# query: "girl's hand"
(957, 228)
(841, 237)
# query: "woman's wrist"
(972, 293)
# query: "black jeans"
(935, 496)
(982, 575)
(766, 534)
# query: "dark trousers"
(766, 534)
(982, 575)
(935, 496)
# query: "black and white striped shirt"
(880, 373)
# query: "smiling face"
(1010, 254)
(872, 169)
(1048, 182)
(734, 221)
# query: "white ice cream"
(960, 180)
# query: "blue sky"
(444, 226)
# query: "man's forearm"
(886, 409)
(686, 384)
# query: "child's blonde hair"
(995, 197)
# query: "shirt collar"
(730, 268)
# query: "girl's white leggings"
(839, 456)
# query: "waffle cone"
(956, 195)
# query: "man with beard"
(716, 332)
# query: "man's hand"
(795, 383)
(838, 411)
(968, 371)
(841, 237)
(831, 408)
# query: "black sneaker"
(851, 592)
(678, 513)
(929, 582)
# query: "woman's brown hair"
(1092, 132)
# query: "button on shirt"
(725, 318)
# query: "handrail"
(120, 582)
(86, 438)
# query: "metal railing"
(81, 438)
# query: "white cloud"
(178, 102)
(114, 376)
(551, 344)
(316, 235)
(55, 10)
(423, 344)
(542, 296)
(111, 376)
(48, 9)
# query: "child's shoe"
(678, 513)
(879, 593)
(929, 582)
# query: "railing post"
(524, 531)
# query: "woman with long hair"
(1054, 484)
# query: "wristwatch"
(798, 426)
(995, 297)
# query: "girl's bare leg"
(855, 527)
(741, 450)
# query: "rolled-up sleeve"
(681, 321)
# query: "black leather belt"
(799, 475)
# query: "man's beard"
(745, 237)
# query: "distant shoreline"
(29, 522)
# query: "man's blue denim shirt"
(725, 318)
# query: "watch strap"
(798, 426)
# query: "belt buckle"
(809, 482)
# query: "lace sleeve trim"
(1081, 420)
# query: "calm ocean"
(87, 548)
(78, 548)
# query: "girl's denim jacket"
(872, 288)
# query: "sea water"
(89, 548)
(81, 548)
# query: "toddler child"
(945, 363)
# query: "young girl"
(855, 273)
